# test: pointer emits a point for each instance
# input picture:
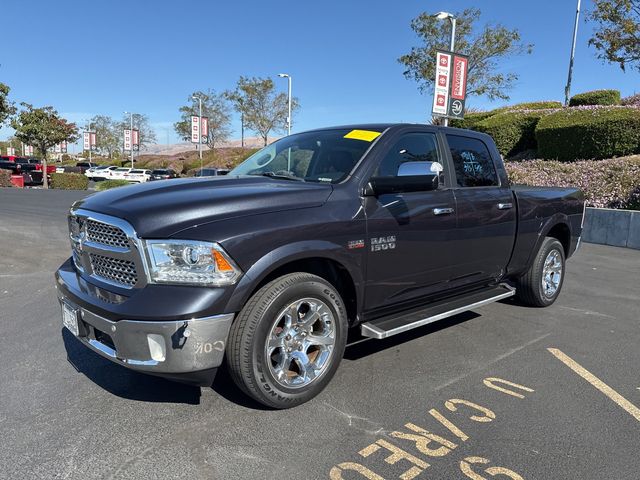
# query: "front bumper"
(188, 349)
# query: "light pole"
(89, 131)
(452, 43)
(131, 135)
(195, 97)
(567, 89)
(288, 77)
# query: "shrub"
(513, 132)
(471, 119)
(596, 97)
(542, 105)
(5, 178)
(612, 183)
(107, 184)
(633, 100)
(589, 133)
(69, 181)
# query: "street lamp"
(130, 135)
(452, 43)
(288, 77)
(196, 97)
(567, 89)
(88, 129)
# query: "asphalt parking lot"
(504, 391)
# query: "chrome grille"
(116, 270)
(106, 234)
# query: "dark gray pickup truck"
(381, 228)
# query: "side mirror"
(412, 177)
(404, 184)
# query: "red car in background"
(29, 160)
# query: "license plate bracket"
(70, 318)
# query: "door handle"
(505, 206)
(443, 211)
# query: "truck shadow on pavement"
(131, 385)
(123, 382)
(359, 346)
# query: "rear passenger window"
(472, 162)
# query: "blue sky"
(108, 56)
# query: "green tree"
(6, 107)
(108, 134)
(141, 123)
(617, 36)
(486, 48)
(43, 128)
(263, 109)
(215, 107)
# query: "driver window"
(411, 147)
(292, 160)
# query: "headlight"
(190, 262)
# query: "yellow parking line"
(596, 382)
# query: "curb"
(607, 226)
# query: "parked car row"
(29, 171)
(133, 175)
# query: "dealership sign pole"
(127, 139)
(135, 139)
(450, 87)
(89, 142)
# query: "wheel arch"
(557, 227)
(324, 259)
(561, 232)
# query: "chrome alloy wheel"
(301, 342)
(551, 273)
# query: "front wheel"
(288, 340)
(541, 284)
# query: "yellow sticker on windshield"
(366, 135)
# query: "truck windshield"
(317, 156)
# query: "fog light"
(157, 347)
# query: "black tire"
(247, 359)
(529, 287)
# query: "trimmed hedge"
(589, 133)
(69, 181)
(596, 97)
(5, 178)
(612, 183)
(471, 119)
(513, 132)
(542, 105)
(107, 184)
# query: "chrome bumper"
(164, 347)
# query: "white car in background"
(103, 172)
(91, 172)
(138, 175)
(118, 173)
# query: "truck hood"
(162, 208)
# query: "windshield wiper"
(283, 175)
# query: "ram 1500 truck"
(381, 228)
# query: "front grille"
(114, 269)
(104, 234)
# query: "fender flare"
(555, 219)
(285, 254)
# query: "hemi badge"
(355, 244)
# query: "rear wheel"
(541, 285)
(288, 340)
